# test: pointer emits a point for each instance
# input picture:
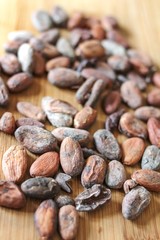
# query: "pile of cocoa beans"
(93, 58)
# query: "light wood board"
(141, 21)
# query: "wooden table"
(141, 21)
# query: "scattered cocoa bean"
(19, 82)
(107, 144)
(45, 219)
(85, 118)
(46, 165)
(11, 196)
(93, 172)
(147, 178)
(7, 123)
(82, 136)
(132, 127)
(132, 150)
(40, 187)
(68, 219)
(36, 139)
(71, 157)
(151, 158)
(135, 202)
(115, 175)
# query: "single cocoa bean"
(36, 139)
(132, 150)
(107, 144)
(71, 157)
(94, 171)
(19, 82)
(135, 202)
(11, 196)
(7, 123)
(40, 187)
(85, 118)
(45, 219)
(132, 127)
(116, 175)
(30, 110)
(82, 136)
(14, 163)
(46, 165)
(68, 219)
(153, 126)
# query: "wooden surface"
(141, 21)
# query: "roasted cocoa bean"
(46, 165)
(132, 150)
(68, 219)
(71, 157)
(10, 64)
(28, 121)
(113, 48)
(57, 62)
(90, 49)
(116, 175)
(153, 126)
(151, 158)
(40, 187)
(107, 144)
(64, 78)
(146, 112)
(147, 178)
(116, 36)
(128, 185)
(7, 123)
(20, 35)
(4, 97)
(82, 136)
(132, 127)
(14, 163)
(85, 118)
(11, 196)
(30, 110)
(87, 152)
(36, 139)
(111, 102)
(45, 219)
(19, 82)
(131, 95)
(135, 202)
(94, 171)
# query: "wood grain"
(140, 20)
